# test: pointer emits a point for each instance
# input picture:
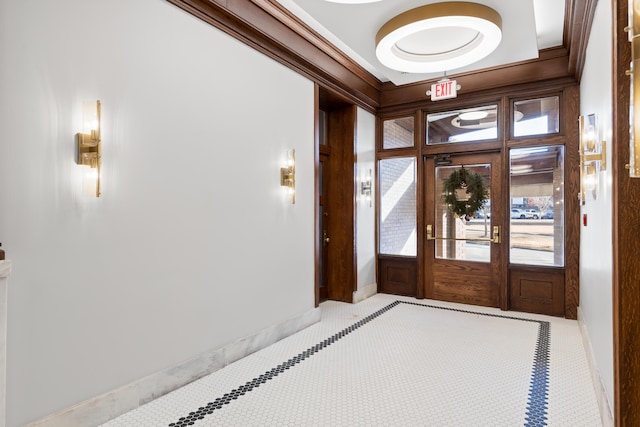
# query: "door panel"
(335, 246)
(537, 290)
(463, 282)
(323, 293)
(464, 255)
(397, 275)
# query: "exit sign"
(444, 90)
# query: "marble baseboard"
(601, 395)
(364, 293)
(5, 272)
(101, 409)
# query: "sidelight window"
(398, 206)
(537, 206)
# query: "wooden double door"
(464, 256)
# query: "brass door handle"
(325, 238)
(495, 236)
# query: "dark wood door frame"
(626, 241)
(457, 270)
(341, 272)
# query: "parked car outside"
(517, 214)
(480, 214)
(547, 215)
(531, 213)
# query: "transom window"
(539, 116)
(470, 124)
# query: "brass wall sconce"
(288, 175)
(634, 102)
(89, 144)
(593, 156)
(365, 188)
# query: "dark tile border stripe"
(536, 414)
(250, 385)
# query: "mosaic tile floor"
(394, 361)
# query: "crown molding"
(271, 29)
(577, 27)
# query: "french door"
(465, 254)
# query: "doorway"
(464, 255)
(336, 277)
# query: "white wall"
(192, 244)
(596, 271)
(366, 215)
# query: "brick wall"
(397, 134)
(398, 206)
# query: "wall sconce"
(634, 73)
(288, 175)
(593, 156)
(89, 143)
(365, 188)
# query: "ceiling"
(527, 27)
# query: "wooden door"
(323, 232)
(336, 266)
(464, 256)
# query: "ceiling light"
(439, 37)
(521, 169)
(517, 115)
(473, 115)
(352, 1)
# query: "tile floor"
(395, 361)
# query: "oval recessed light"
(473, 115)
(352, 1)
(439, 37)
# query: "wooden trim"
(571, 109)
(274, 31)
(317, 245)
(271, 29)
(482, 97)
(293, 22)
(419, 142)
(626, 242)
(552, 64)
(578, 22)
(504, 125)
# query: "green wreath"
(474, 186)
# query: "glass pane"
(398, 133)
(536, 116)
(450, 225)
(537, 206)
(398, 206)
(471, 124)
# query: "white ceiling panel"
(527, 25)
